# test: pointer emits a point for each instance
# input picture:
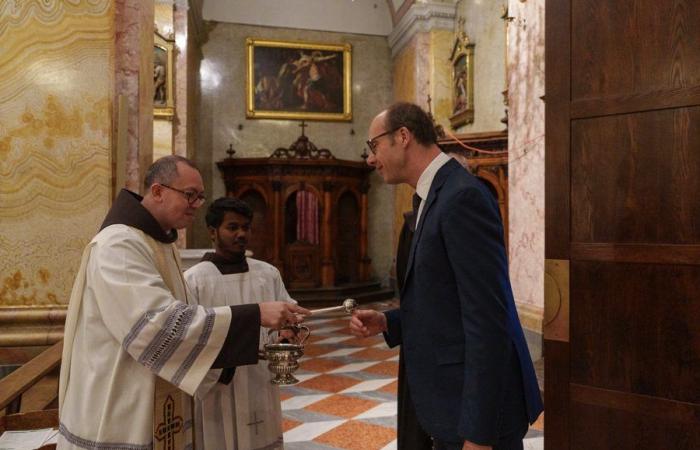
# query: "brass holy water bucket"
(283, 357)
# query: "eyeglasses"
(372, 143)
(192, 197)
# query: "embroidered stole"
(171, 407)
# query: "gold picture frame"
(298, 80)
(163, 101)
(462, 59)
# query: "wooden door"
(622, 308)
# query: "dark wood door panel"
(635, 328)
(627, 47)
(635, 178)
(595, 427)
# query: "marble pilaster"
(526, 158)
(134, 80)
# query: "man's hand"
(367, 322)
(278, 314)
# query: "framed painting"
(163, 102)
(298, 80)
(462, 59)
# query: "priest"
(237, 408)
(136, 347)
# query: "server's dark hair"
(219, 207)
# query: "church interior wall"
(222, 119)
(56, 67)
(526, 160)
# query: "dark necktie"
(416, 204)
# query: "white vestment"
(246, 414)
(125, 328)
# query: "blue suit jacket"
(464, 348)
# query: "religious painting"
(298, 80)
(462, 59)
(163, 102)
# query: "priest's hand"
(367, 322)
(278, 314)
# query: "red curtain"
(307, 217)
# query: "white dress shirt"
(426, 179)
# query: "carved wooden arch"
(260, 189)
(298, 187)
(351, 190)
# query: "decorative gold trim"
(252, 113)
(556, 300)
(462, 108)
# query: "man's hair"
(403, 114)
(219, 207)
(164, 170)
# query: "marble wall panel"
(222, 118)
(56, 67)
(526, 147)
(133, 79)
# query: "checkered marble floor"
(346, 397)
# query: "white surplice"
(128, 323)
(246, 414)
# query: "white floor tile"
(369, 385)
(354, 367)
(309, 431)
(341, 352)
(387, 409)
(333, 340)
(533, 443)
(326, 330)
(301, 401)
(390, 446)
(305, 376)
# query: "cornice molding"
(421, 17)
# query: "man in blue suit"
(469, 372)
